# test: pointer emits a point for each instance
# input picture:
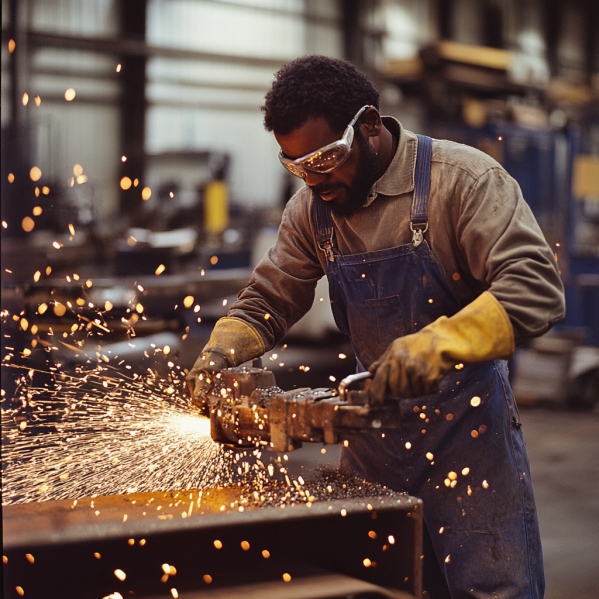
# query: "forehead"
(314, 133)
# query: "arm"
(279, 293)
(500, 244)
(504, 248)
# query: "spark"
(100, 432)
(98, 429)
(475, 401)
(35, 173)
(120, 574)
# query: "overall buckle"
(418, 231)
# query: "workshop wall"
(212, 100)
(67, 133)
(208, 64)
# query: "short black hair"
(316, 86)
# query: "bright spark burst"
(100, 432)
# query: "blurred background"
(139, 187)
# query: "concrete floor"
(564, 453)
(563, 449)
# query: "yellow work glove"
(232, 342)
(415, 364)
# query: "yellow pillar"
(216, 207)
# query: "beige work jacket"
(481, 231)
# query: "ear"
(371, 122)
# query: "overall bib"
(461, 449)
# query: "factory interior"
(139, 189)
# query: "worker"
(437, 270)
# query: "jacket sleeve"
(505, 247)
(281, 288)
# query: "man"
(437, 269)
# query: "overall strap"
(422, 183)
(324, 227)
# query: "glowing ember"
(120, 574)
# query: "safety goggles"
(327, 158)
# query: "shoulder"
(455, 158)
(458, 170)
(297, 214)
(299, 205)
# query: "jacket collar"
(398, 179)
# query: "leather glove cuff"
(235, 341)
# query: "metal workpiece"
(247, 409)
(200, 544)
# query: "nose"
(313, 179)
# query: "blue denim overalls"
(461, 450)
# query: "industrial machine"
(247, 409)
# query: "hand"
(410, 367)
(232, 342)
(416, 364)
(201, 378)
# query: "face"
(346, 187)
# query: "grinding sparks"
(96, 430)
(102, 433)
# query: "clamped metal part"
(247, 409)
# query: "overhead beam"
(135, 47)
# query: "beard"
(357, 192)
